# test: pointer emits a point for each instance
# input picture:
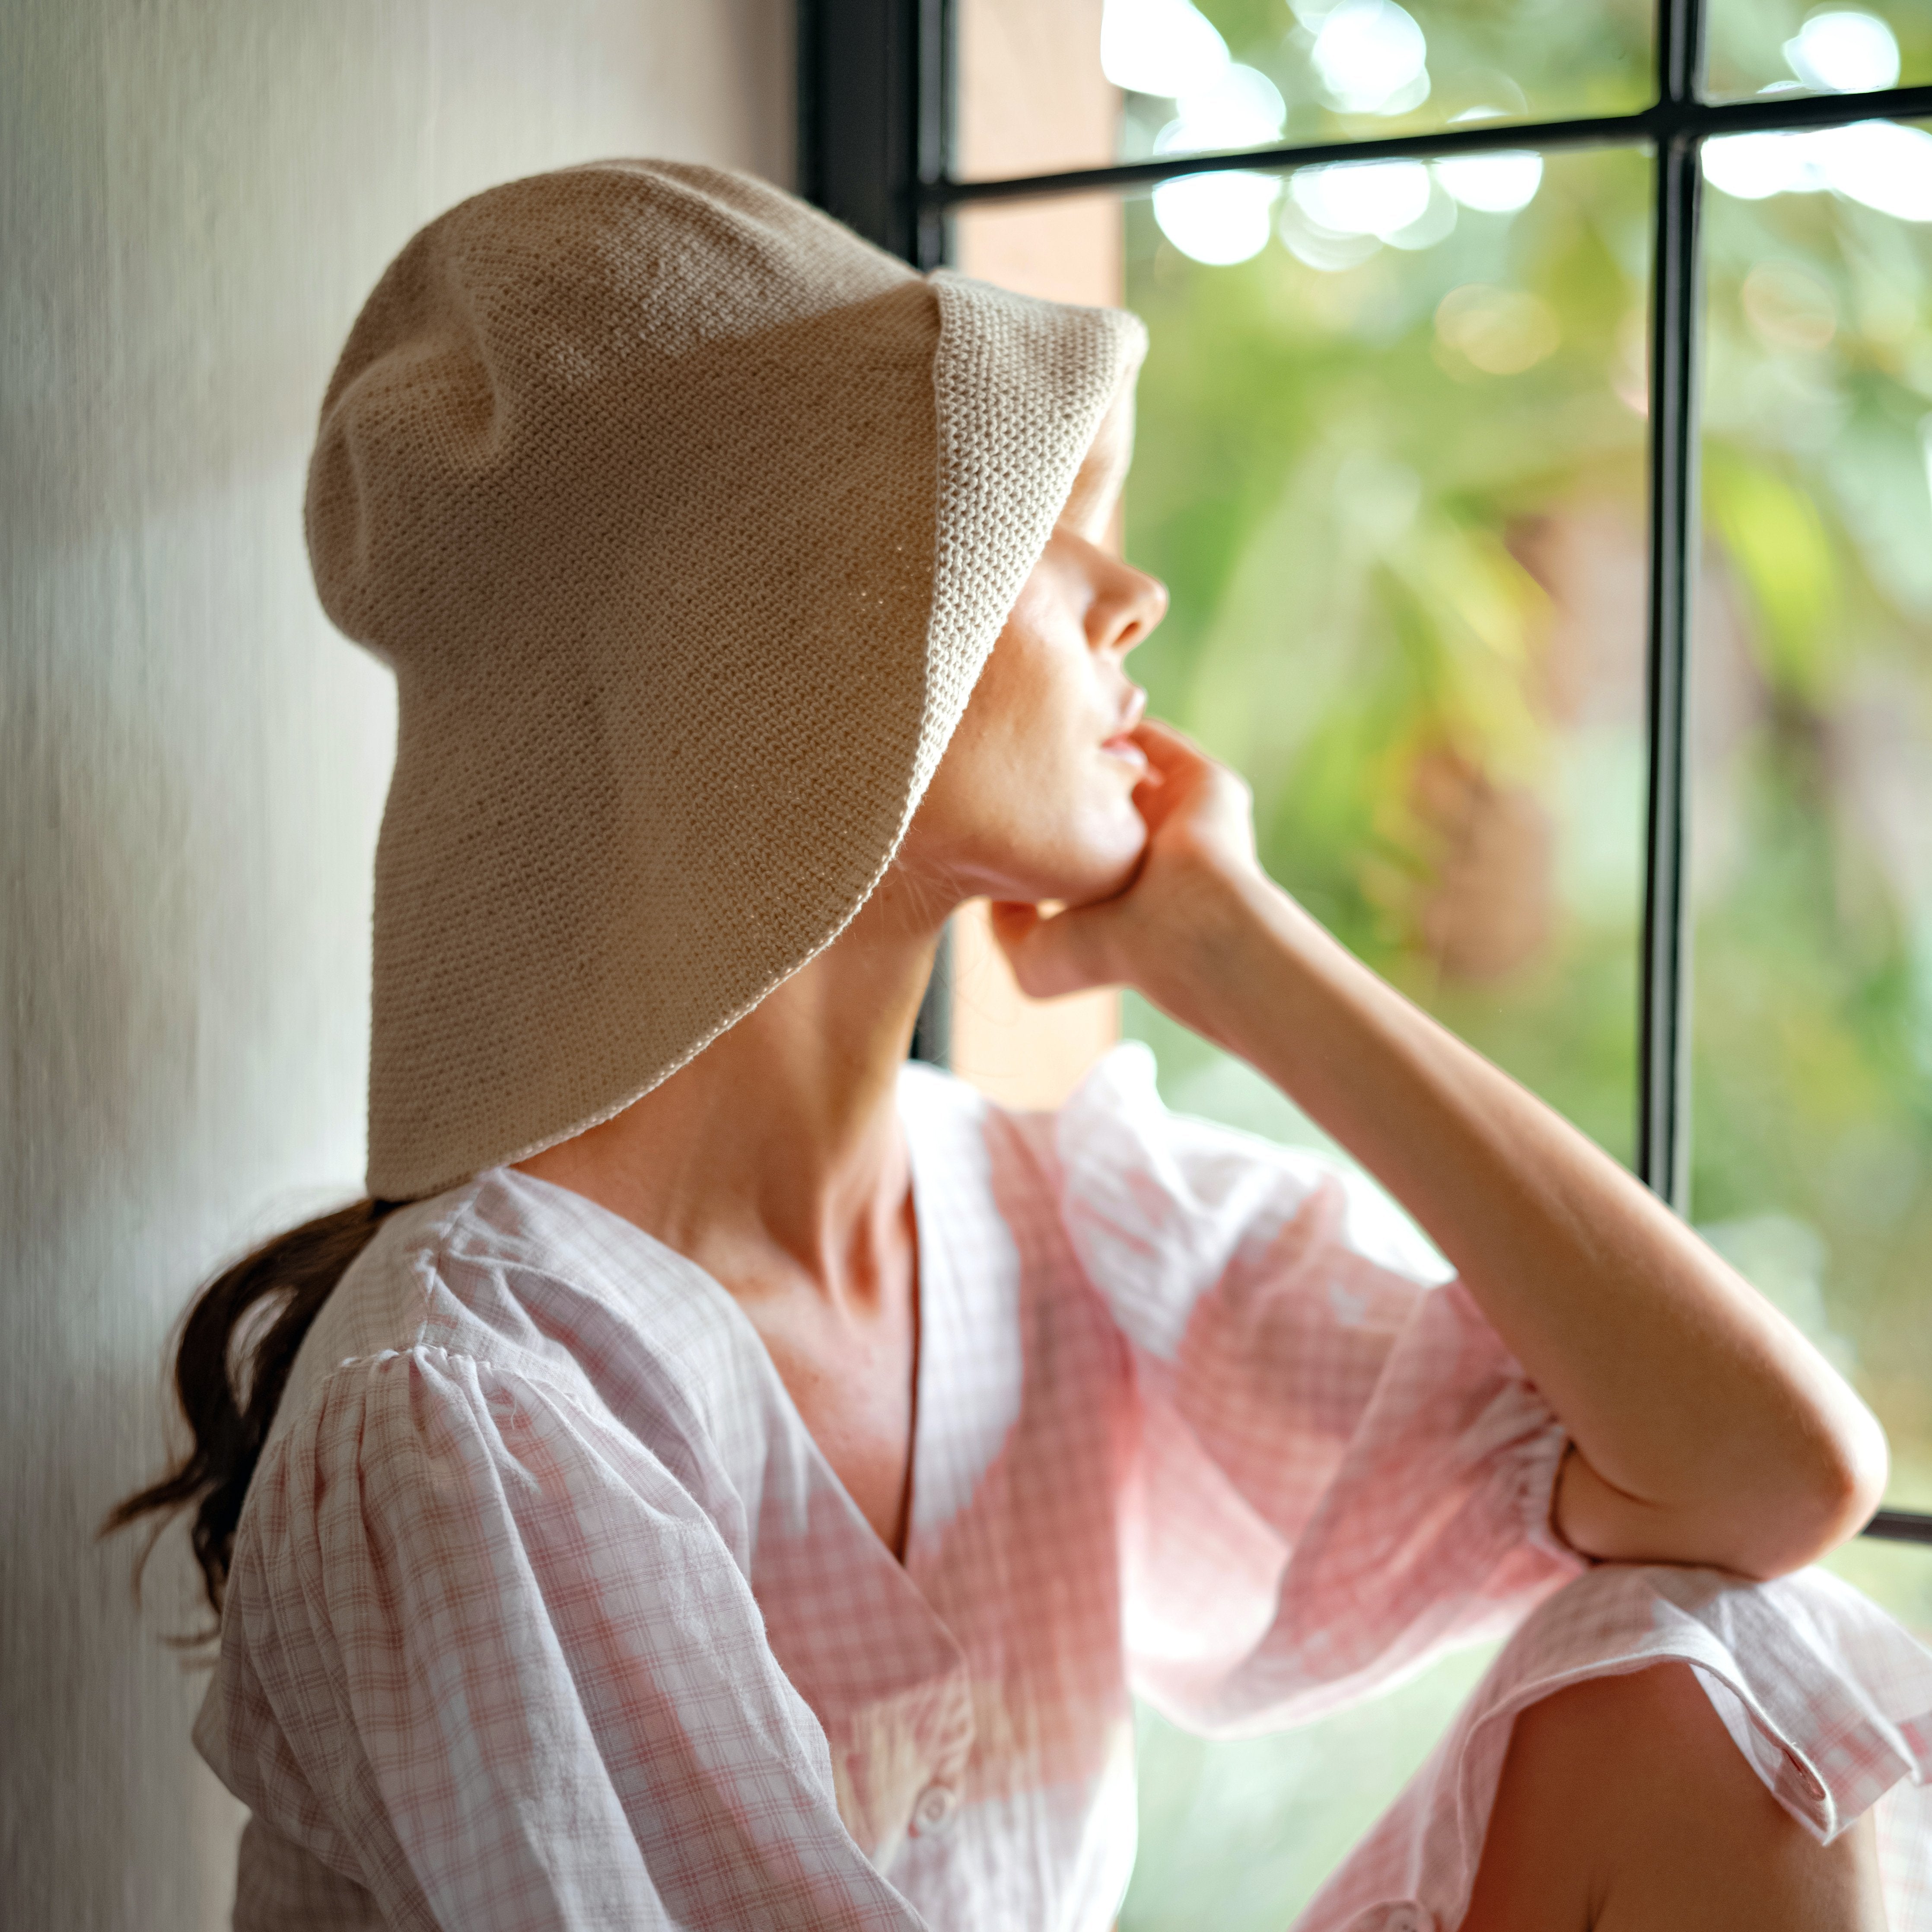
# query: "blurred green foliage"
(1345, 508)
(1812, 1093)
(1747, 39)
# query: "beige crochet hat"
(686, 520)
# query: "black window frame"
(876, 81)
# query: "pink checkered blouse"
(546, 1611)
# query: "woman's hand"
(1707, 1428)
(1160, 935)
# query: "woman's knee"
(1624, 1804)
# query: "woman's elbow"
(1860, 1467)
(1831, 1494)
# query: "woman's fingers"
(1012, 921)
(1199, 828)
(1175, 768)
(1049, 954)
(1201, 801)
(1169, 751)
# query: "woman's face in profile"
(1033, 799)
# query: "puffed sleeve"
(484, 1655)
(1341, 1468)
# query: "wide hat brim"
(687, 520)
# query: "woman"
(727, 1477)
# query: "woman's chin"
(1088, 855)
(1103, 868)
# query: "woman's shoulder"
(532, 1282)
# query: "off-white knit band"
(686, 520)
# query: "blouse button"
(932, 1810)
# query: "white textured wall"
(197, 195)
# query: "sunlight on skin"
(1034, 799)
(1625, 1807)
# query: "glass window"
(1181, 78)
(1783, 46)
(1811, 874)
(1397, 488)
(1399, 498)
(1032, 98)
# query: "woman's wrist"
(1239, 943)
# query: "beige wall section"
(1031, 98)
(197, 194)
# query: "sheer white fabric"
(546, 1611)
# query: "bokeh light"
(1369, 56)
(1218, 219)
(1377, 198)
(1242, 108)
(1844, 51)
(1884, 164)
(1497, 184)
(1160, 47)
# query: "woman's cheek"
(1107, 835)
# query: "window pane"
(1398, 498)
(1398, 491)
(1811, 877)
(1053, 84)
(1845, 46)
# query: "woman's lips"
(1121, 745)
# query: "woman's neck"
(775, 1160)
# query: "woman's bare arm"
(1707, 1428)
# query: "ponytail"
(230, 1369)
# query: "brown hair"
(230, 1369)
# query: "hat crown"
(687, 519)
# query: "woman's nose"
(1135, 604)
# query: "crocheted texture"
(686, 520)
